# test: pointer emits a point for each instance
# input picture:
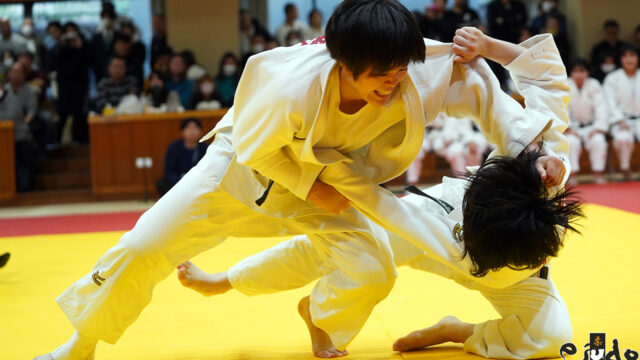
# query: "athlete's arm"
(470, 42)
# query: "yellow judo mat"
(598, 274)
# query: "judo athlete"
(622, 91)
(588, 121)
(314, 129)
(494, 233)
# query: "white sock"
(77, 348)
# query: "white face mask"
(257, 48)
(27, 30)
(548, 6)
(207, 87)
(8, 62)
(229, 69)
(607, 68)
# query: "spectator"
(291, 24)
(14, 43)
(71, 64)
(182, 155)
(123, 47)
(112, 89)
(294, 38)
(156, 89)
(161, 65)
(135, 60)
(42, 128)
(205, 95)
(546, 9)
(249, 27)
(178, 81)
(258, 45)
(506, 18)
(622, 90)
(102, 40)
(34, 77)
(315, 29)
(432, 23)
(608, 63)
(159, 39)
(270, 45)
(610, 44)
(228, 78)
(458, 16)
(588, 121)
(194, 70)
(18, 103)
(34, 45)
(50, 41)
(8, 58)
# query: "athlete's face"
(374, 87)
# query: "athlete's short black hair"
(579, 63)
(380, 34)
(510, 219)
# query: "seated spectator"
(546, 9)
(458, 16)
(159, 39)
(123, 47)
(177, 80)
(228, 78)
(18, 103)
(272, 44)
(161, 65)
(588, 121)
(249, 27)
(258, 45)
(10, 41)
(194, 70)
(182, 155)
(71, 60)
(610, 44)
(432, 24)
(205, 95)
(622, 91)
(608, 63)
(293, 38)
(315, 29)
(291, 24)
(34, 77)
(112, 89)
(50, 41)
(156, 91)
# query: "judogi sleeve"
(264, 135)
(541, 79)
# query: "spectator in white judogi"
(291, 24)
(588, 121)
(622, 90)
(457, 142)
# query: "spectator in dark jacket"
(124, 47)
(112, 89)
(458, 16)
(182, 155)
(71, 62)
(610, 44)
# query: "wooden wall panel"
(7, 161)
(116, 142)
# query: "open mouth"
(382, 93)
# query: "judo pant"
(534, 319)
(196, 215)
(596, 145)
(623, 141)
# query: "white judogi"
(534, 319)
(272, 133)
(623, 95)
(588, 112)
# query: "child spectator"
(228, 78)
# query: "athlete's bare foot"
(206, 284)
(320, 341)
(447, 329)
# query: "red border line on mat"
(68, 224)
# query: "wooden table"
(7, 161)
(118, 140)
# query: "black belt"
(584, 125)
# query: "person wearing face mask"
(293, 38)
(546, 9)
(258, 45)
(228, 78)
(205, 95)
(249, 27)
(102, 40)
(610, 44)
(10, 41)
(607, 61)
(622, 90)
(34, 44)
(156, 91)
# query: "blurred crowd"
(51, 83)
